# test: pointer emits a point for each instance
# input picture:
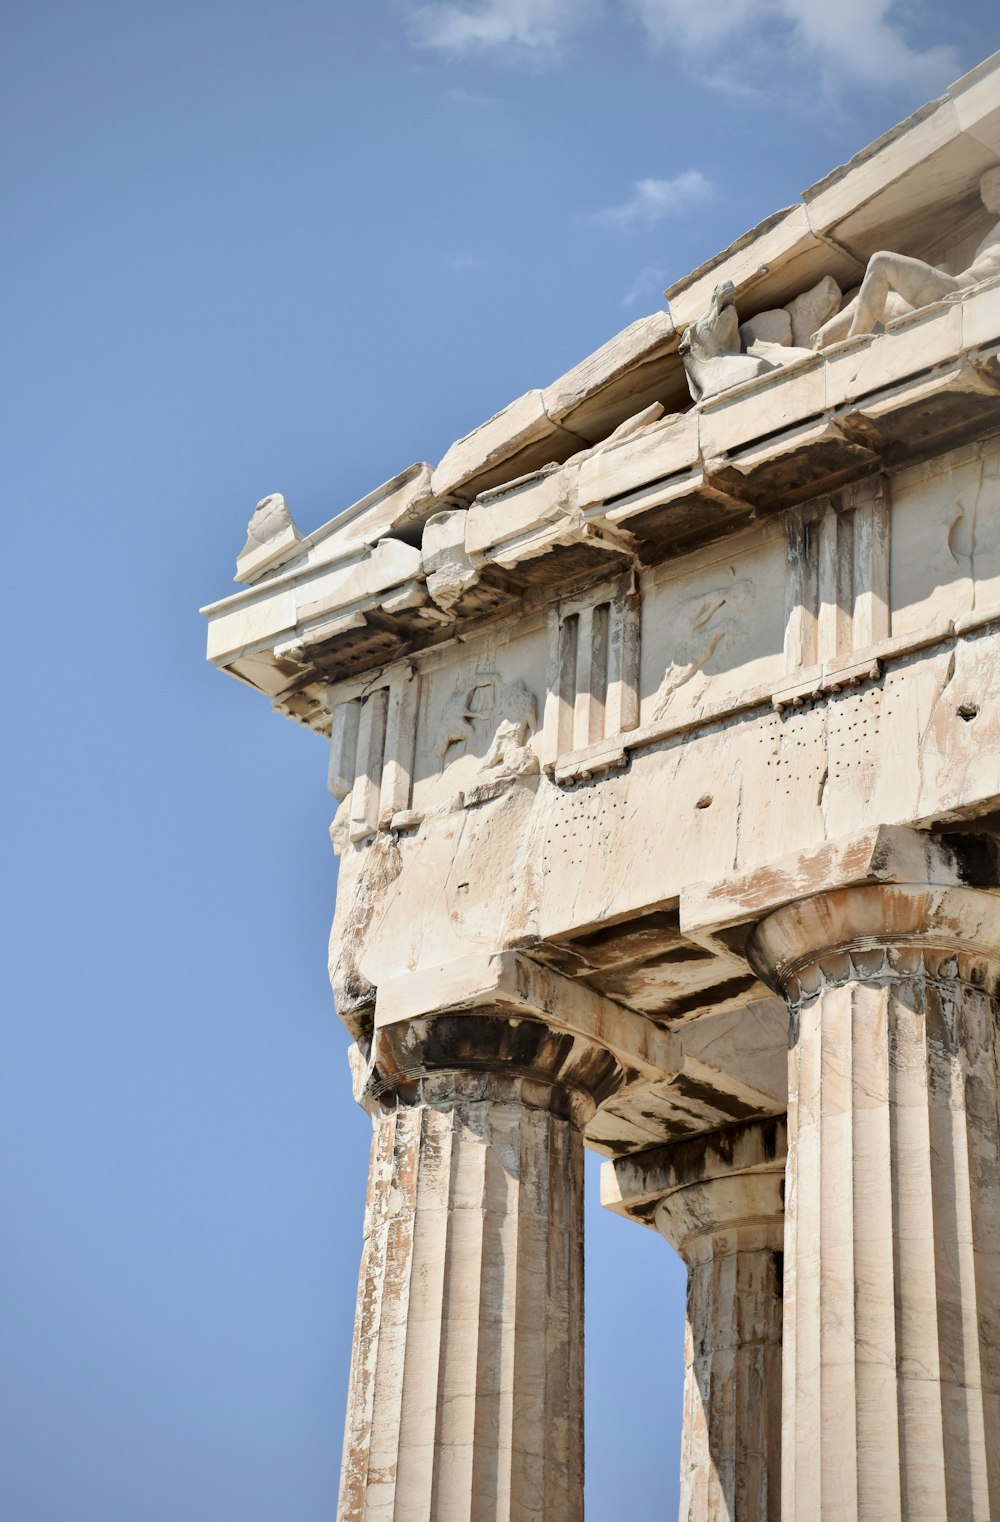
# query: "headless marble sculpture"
(917, 283)
(712, 347)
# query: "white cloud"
(538, 26)
(751, 46)
(858, 42)
(647, 285)
(654, 201)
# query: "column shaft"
(892, 1282)
(466, 1390)
(729, 1231)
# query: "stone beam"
(885, 853)
(510, 982)
(724, 1067)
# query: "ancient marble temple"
(663, 721)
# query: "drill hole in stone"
(968, 711)
(704, 802)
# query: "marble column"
(729, 1230)
(892, 1248)
(466, 1387)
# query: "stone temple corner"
(662, 724)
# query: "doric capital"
(464, 1056)
(698, 1191)
(553, 1042)
(880, 932)
(745, 1211)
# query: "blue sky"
(254, 247)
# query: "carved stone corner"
(272, 538)
(449, 570)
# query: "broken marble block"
(272, 538)
(772, 327)
(445, 563)
(811, 309)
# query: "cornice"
(875, 403)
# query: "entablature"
(815, 426)
(615, 652)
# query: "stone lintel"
(612, 384)
(883, 854)
(510, 983)
(519, 438)
(634, 1186)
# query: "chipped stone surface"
(621, 378)
(468, 1408)
(397, 509)
(272, 538)
(809, 311)
(449, 570)
(774, 326)
(519, 438)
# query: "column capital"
(500, 1014)
(709, 1194)
(463, 1056)
(880, 932)
(635, 1185)
(743, 1212)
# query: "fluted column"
(892, 1249)
(729, 1230)
(466, 1387)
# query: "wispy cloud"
(653, 201)
(747, 46)
(744, 43)
(463, 97)
(533, 28)
(647, 285)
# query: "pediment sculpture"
(720, 352)
(913, 281)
